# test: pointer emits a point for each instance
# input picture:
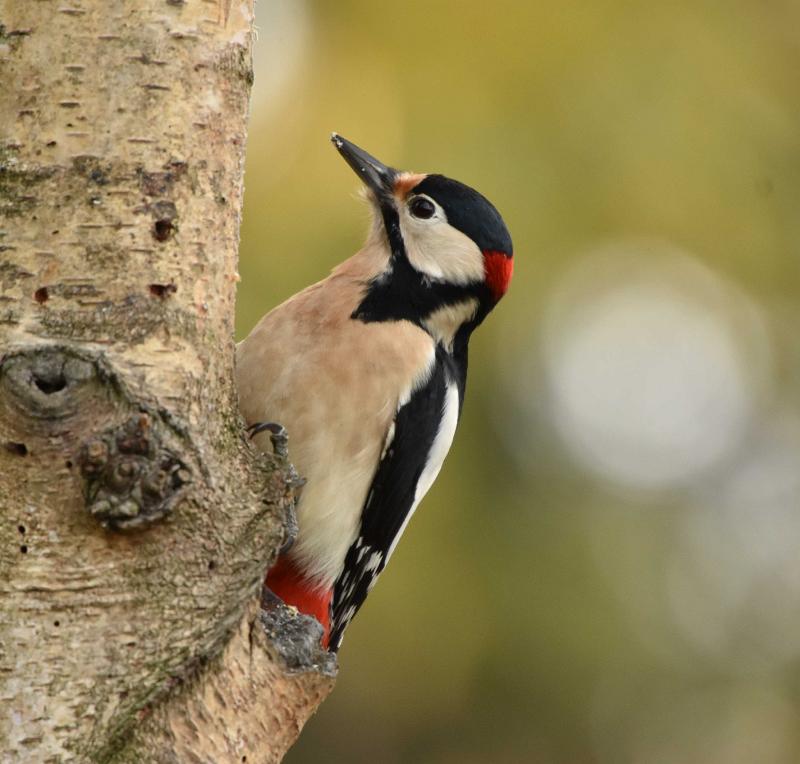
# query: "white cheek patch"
(440, 251)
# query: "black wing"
(391, 495)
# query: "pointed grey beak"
(378, 177)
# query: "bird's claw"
(278, 436)
(280, 447)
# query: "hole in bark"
(162, 290)
(50, 385)
(21, 529)
(56, 623)
(68, 464)
(24, 549)
(212, 564)
(20, 449)
(162, 229)
(41, 296)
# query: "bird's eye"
(422, 208)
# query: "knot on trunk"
(46, 383)
(58, 403)
(295, 638)
(131, 479)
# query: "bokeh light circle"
(653, 364)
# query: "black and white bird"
(367, 370)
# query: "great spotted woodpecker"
(366, 370)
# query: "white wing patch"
(441, 445)
(388, 441)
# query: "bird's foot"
(280, 447)
(278, 436)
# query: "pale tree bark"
(136, 523)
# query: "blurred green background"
(607, 569)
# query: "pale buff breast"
(335, 384)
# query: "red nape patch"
(285, 580)
(499, 267)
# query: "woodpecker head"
(449, 252)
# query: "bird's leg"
(291, 528)
(280, 447)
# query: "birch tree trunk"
(136, 523)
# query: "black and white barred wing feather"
(423, 431)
